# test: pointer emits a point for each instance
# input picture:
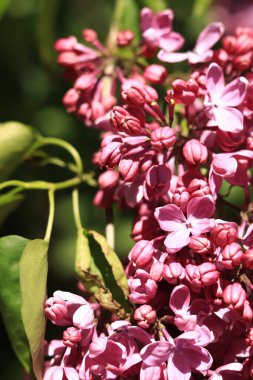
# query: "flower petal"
(234, 93)
(156, 353)
(172, 57)
(215, 82)
(177, 240)
(170, 218)
(180, 299)
(209, 36)
(228, 119)
(200, 208)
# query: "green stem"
(116, 20)
(65, 145)
(51, 215)
(76, 209)
(43, 185)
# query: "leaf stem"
(76, 209)
(65, 145)
(44, 185)
(51, 215)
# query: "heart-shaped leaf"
(101, 272)
(33, 277)
(16, 142)
(11, 249)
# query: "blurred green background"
(31, 91)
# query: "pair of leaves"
(101, 272)
(23, 270)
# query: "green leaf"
(101, 272)
(11, 248)
(33, 277)
(4, 5)
(8, 202)
(16, 141)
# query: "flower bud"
(155, 74)
(110, 154)
(141, 253)
(173, 273)
(142, 287)
(247, 259)
(234, 296)
(70, 100)
(200, 244)
(181, 198)
(157, 181)
(63, 44)
(56, 311)
(117, 115)
(223, 234)
(128, 168)
(130, 125)
(229, 141)
(156, 271)
(125, 37)
(108, 180)
(205, 274)
(89, 35)
(71, 336)
(145, 228)
(185, 92)
(246, 314)
(134, 96)
(198, 188)
(103, 198)
(195, 152)
(145, 315)
(231, 255)
(163, 138)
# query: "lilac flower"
(222, 99)
(157, 30)
(202, 51)
(186, 315)
(61, 373)
(182, 354)
(171, 219)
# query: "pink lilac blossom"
(166, 158)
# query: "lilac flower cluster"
(190, 270)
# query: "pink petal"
(71, 373)
(180, 299)
(209, 36)
(234, 93)
(67, 296)
(171, 41)
(172, 57)
(230, 367)
(215, 182)
(170, 218)
(228, 119)
(147, 373)
(215, 82)
(199, 208)
(53, 373)
(156, 353)
(83, 318)
(177, 240)
(163, 20)
(224, 165)
(178, 368)
(198, 358)
(197, 58)
(201, 226)
(146, 18)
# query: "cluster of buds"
(189, 272)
